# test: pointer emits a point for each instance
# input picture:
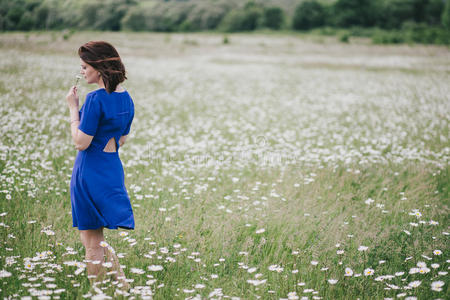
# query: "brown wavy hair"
(104, 58)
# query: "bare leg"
(119, 274)
(94, 252)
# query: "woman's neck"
(102, 85)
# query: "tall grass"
(262, 168)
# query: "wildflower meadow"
(259, 166)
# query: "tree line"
(427, 19)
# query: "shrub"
(134, 20)
(165, 17)
(361, 31)
(412, 32)
(308, 14)
(30, 5)
(388, 37)
(41, 15)
(433, 11)
(355, 12)
(344, 38)
(206, 15)
(55, 19)
(396, 12)
(330, 31)
(15, 13)
(88, 12)
(273, 17)
(446, 15)
(102, 15)
(233, 21)
(423, 34)
(442, 36)
(26, 22)
(242, 19)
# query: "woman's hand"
(72, 98)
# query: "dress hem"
(106, 226)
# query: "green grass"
(240, 157)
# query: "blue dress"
(97, 189)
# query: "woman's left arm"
(80, 139)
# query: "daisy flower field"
(273, 166)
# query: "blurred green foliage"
(446, 16)
(246, 18)
(422, 21)
(273, 17)
(348, 13)
(309, 14)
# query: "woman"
(97, 190)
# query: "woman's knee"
(96, 253)
(91, 238)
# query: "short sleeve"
(127, 129)
(90, 115)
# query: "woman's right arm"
(122, 140)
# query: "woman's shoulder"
(94, 94)
(98, 95)
(102, 91)
(102, 96)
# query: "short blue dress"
(97, 189)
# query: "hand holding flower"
(72, 98)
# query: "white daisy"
(332, 281)
(348, 272)
(256, 282)
(369, 201)
(155, 268)
(362, 248)
(4, 273)
(137, 271)
(415, 283)
(368, 272)
(437, 252)
(437, 285)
